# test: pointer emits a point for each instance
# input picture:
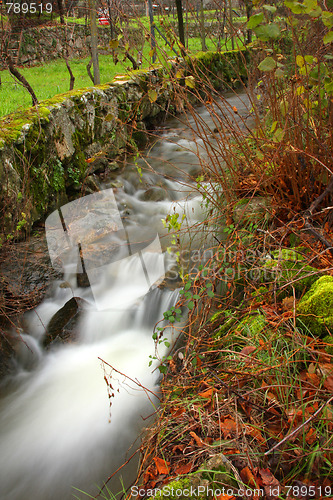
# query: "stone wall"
(48, 153)
(47, 43)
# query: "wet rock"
(154, 194)
(63, 325)
(26, 271)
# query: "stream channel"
(60, 432)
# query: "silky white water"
(58, 431)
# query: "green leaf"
(267, 32)
(270, 8)
(255, 20)
(190, 82)
(279, 73)
(328, 38)
(329, 87)
(327, 18)
(152, 95)
(190, 305)
(268, 64)
(187, 285)
(300, 61)
(278, 136)
(210, 293)
(273, 127)
(295, 7)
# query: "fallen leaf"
(207, 393)
(197, 439)
(247, 350)
(313, 378)
(183, 469)
(255, 433)
(228, 427)
(328, 383)
(267, 478)
(248, 477)
(311, 436)
(161, 465)
(224, 497)
(177, 412)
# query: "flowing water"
(59, 430)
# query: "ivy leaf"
(152, 95)
(255, 20)
(328, 38)
(268, 64)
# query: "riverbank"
(247, 402)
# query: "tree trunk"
(21, 79)
(231, 25)
(94, 41)
(72, 77)
(112, 30)
(152, 30)
(202, 27)
(61, 11)
(179, 7)
(88, 70)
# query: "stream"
(63, 428)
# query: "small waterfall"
(60, 432)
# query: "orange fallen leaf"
(183, 469)
(207, 393)
(328, 383)
(248, 477)
(197, 439)
(313, 378)
(247, 350)
(228, 426)
(311, 436)
(254, 432)
(267, 478)
(177, 412)
(224, 497)
(162, 465)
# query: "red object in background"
(103, 21)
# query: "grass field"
(52, 78)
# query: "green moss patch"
(288, 266)
(315, 310)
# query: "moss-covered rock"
(315, 309)
(288, 266)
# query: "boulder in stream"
(63, 324)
